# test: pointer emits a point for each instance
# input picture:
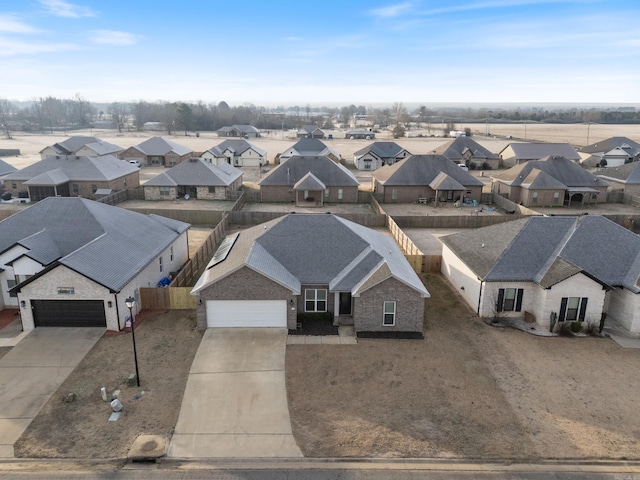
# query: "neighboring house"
(242, 131)
(615, 150)
(81, 146)
(73, 261)
(625, 178)
(6, 169)
(310, 131)
(309, 147)
(378, 154)
(516, 153)
(425, 178)
(157, 151)
(576, 267)
(238, 153)
(466, 151)
(360, 134)
(303, 263)
(72, 176)
(197, 179)
(282, 183)
(549, 182)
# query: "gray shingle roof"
(381, 149)
(546, 250)
(103, 168)
(240, 128)
(103, 148)
(309, 182)
(330, 173)
(109, 245)
(309, 146)
(628, 173)
(238, 147)
(158, 146)
(196, 172)
(535, 151)
(604, 146)
(539, 180)
(422, 170)
(560, 168)
(312, 249)
(445, 182)
(454, 149)
(308, 129)
(72, 144)
(5, 168)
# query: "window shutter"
(519, 300)
(563, 309)
(500, 300)
(583, 309)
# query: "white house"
(73, 261)
(238, 153)
(378, 154)
(576, 267)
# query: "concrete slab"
(330, 340)
(625, 342)
(32, 371)
(235, 402)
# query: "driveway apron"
(235, 403)
(32, 371)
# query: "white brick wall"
(459, 275)
(624, 308)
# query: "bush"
(591, 328)
(472, 166)
(486, 166)
(312, 316)
(564, 329)
(576, 327)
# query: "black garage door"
(68, 313)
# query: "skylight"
(223, 250)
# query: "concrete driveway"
(235, 403)
(32, 371)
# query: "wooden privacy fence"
(196, 264)
(167, 298)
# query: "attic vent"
(223, 250)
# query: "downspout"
(115, 296)
(479, 298)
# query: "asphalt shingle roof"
(327, 171)
(107, 244)
(535, 151)
(196, 172)
(546, 250)
(309, 249)
(238, 147)
(381, 149)
(309, 182)
(628, 173)
(455, 149)
(72, 144)
(604, 146)
(103, 168)
(422, 170)
(158, 146)
(5, 168)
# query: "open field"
(467, 391)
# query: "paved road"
(235, 402)
(32, 371)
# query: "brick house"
(517, 153)
(310, 131)
(577, 267)
(72, 176)
(81, 146)
(197, 179)
(341, 186)
(157, 151)
(625, 178)
(264, 276)
(466, 151)
(238, 153)
(73, 261)
(379, 154)
(425, 178)
(241, 131)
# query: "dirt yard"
(468, 390)
(166, 344)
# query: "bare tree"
(118, 112)
(6, 109)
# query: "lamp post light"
(130, 302)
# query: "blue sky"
(331, 52)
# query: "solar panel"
(223, 250)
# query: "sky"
(322, 53)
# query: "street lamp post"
(130, 302)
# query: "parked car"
(463, 167)
(135, 163)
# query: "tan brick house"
(157, 151)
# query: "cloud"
(113, 37)
(60, 8)
(10, 47)
(492, 4)
(392, 10)
(12, 24)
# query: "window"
(75, 189)
(572, 309)
(389, 318)
(326, 193)
(534, 197)
(339, 194)
(509, 300)
(10, 284)
(160, 264)
(367, 164)
(315, 300)
(212, 189)
(394, 194)
(66, 290)
(14, 185)
(165, 191)
(94, 188)
(556, 197)
(171, 254)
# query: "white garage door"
(246, 313)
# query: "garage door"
(68, 313)
(246, 313)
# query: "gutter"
(479, 298)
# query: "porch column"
(336, 304)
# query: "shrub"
(312, 316)
(472, 166)
(486, 166)
(553, 318)
(564, 329)
(591, 328)
(576, 327)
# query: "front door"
(345, 303)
